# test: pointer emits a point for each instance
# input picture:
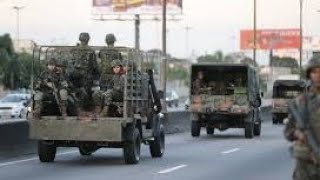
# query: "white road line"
(31, 159)
(230, 151)
(172, 169)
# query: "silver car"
(14, 106)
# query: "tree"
(216, 57)
(287, 62)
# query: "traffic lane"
(186, 157)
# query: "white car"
(14, 106)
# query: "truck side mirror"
(262, 94)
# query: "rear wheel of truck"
(249, 130)
(46, 152)
(210, 130)
(157, 146)
(257, 129)
(195, 129)
(131, 149)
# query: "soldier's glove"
(50, 84)
(95, 88)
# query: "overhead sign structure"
(135, 6)
(270, 39)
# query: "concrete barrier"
(14, 140)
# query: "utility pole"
(255, 32)
(187, 28)
(137, 31)
(163, 78)
(301, 38)
(17, 9)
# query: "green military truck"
(225, 96)
(137, 122)
(283, 92)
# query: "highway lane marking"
(172, 169)
(30, 159)
(230, 151)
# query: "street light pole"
(255, 32)
(187, 28)
(301, 38)
(17, 9)
(163, 77)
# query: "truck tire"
(46, 152)
(131, 149)
(157, 146)
(195, 129)
(249, 130)
(257, 129)
(210, 130)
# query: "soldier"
(85, 77)
(307, 107)
(198, 83)
(107, 55)
(116, 89)
(52, 81)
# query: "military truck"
(138, 120)
(283, 92)
(225, 96)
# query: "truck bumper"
(109, 130)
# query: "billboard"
(135, 6)
(270, 39)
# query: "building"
(23, 45)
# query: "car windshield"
(11, 98)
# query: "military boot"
(37, 110)
(96, 113)
(63, 107)
(105, 111)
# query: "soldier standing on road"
(85, 77)
(308, 106)
(116, 89)
(107, 55)
(52, 81)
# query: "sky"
(215, 24)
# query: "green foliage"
(285, 62)
(216, 57)
(15, 68)
(178, 74)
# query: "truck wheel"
(46, 152)
(131, 150)
(195, 129)
(248, 130)
(157, 146)
(257, 129)
(210, 130)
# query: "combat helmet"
(314, 62)
(116, 62)
(110, 39)
(84, 36)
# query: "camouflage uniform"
(197, 84)
(107, 55)
(85, 75)
(116, 89)
(306, 167)
(45, 87)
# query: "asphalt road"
(224, 156)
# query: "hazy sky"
(215, 23)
